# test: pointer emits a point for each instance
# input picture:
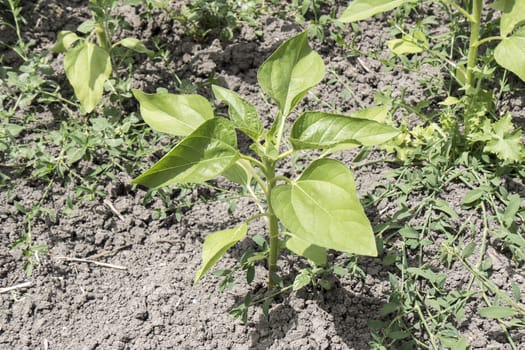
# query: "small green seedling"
(88, 65)
(316, 211)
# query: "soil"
(152, 303)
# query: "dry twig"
(16, 286)
(363, 65)
(113, 209)
(66, 258)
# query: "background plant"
(10, 16)
(85, 61)
(313, 13)
(200, 18)
(317, 211)
(469, 116)
(461, 144)
(54, 152)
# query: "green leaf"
(12, 130)
(433, 277)
(389, 308)
(87, 67)
(322, 208)
(363, 9)
(512, 14)
(473, 196)
(505, 142)
(74, 153)
(510, 53)
(86, 26)
(241, 112)
(176, 115)
(408, 44)
(454, 344)
(319, 130)
(444, 207)
(135, 45)
(516, 292)
(307, 250)
(340, 271)
(215, 246)
(450, 101)
(512, 209)
(301, 280)
(237, 172)
(497, 312)
(290, 72)
(409, 233)
(398, 335)
(375, 113)
(201, 156)
(468, 250)
(65, 39)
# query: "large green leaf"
(87, 67)
(510, 53)
(242, 112)
(173, 114)
(307, 250)
(290, 72)
(363, 9)
(215, 246)
(319, 130)
(322, 208)
(201, 156)
(512, 14)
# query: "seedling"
(316, 211)
(86, 61)
(200, 18)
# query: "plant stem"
(274, 248)
(475, 24)
(273, 225)
(101, 36)
(21, 46)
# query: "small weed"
(201, 18)
(86, 61)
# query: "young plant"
(476, 106)
(222, 17)
(309, 11)
(10, 17)
(319, 209)
(509, 52)
(86, 61)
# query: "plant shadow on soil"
(349, 313)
